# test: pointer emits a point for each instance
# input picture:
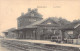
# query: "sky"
(10, 10)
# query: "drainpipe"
(61, 36)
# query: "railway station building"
(31, 25)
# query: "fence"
(76, 41)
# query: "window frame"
(70, 32)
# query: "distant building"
(9, 33)
(29, 18)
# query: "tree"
(63, 21)
(76, 21)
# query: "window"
(50, 30)
(32, 20)
(21, 32)
(79, 36)
(44, 30)
(48, 23)
(34, 32)
(70, 32)
(41, 31)
(32, 14)
(57, 32)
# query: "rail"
(50, 46)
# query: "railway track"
(27, 46)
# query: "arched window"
(56, 31)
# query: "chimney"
(22, 14)
(35, 10)
(29, 9)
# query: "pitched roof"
(11, 29)
(39, 22)
(35, 24)
(72, 25)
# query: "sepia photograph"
(39, 25)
